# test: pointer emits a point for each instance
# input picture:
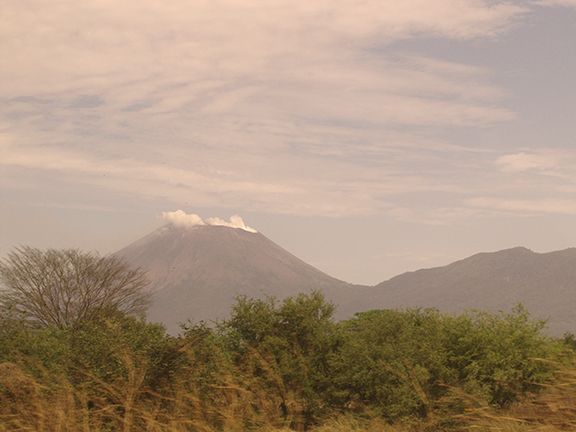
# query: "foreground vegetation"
(287, 365)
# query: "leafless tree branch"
(65, 287)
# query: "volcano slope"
(196, 272)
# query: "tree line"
(272, 363)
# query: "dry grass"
(552, 410)
(45, 401)
(35, 399)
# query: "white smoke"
(180, 218)
(235, 222)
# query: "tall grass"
(35, 399)
(552, 409)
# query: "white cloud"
(290, 106)
(527, 207)
(238, 102)
(216, 73)
(94, 41)
(554, 163)
(433, 216)
(294, 183)
(211, 53)
(567, 3)
(524, 161)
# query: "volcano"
(196, 272)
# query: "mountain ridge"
(544, 282)
(197, 271)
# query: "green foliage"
(104, 345)
(493, 355)
(390, 360)
(101, 347)
(402, 362)
(287, 346)
(274, 364)
(205, 359)
(20, 339)
(569, 341)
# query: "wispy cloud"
(527, 207)
(557, 163)
(567, 3)
(284, 107)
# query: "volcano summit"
(196, 271)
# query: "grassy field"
(288, 366)
(51, 403)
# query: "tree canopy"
(66, 287)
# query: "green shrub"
(391, 361)
(493, 355)
(285, 346)
(402, 362)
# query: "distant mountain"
(544, 283)
(197, 271)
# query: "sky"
(366, 137)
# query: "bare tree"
(65, 287)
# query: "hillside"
(544, 283)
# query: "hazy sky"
(367, 137)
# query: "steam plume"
(180, 218)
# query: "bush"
(402, 362)
(391, 361)
(494, 355)
(285, 346)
